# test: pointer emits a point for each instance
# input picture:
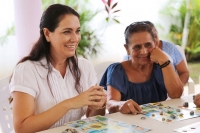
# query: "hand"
(94, 97)
(130, 106)
(197, 100)
(158, 56)
(102, 101)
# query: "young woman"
(51, 86)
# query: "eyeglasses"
(134, 24)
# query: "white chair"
(101, 68)
(191, 89)
(6, 121)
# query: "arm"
(25, 120)
(115, 105)
(172, 81)
(182, 72)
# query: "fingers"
(96, 92)
(197, 100)
(98, 88)
(96, 105)
(134, 108)
(153, 49)
(96, 97)
(130, 107)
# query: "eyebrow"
(141, 44)
(148, 43)
(71, 28)
(137, 45)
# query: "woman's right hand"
(94, 96)
(130, 107)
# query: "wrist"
(165, 64)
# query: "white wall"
(131, 11)
(8, 54)
(113, 37)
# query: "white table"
(154, 125)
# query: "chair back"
(100, 69)
(191, 84)
(182, 53)
(6, 120)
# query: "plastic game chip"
(191, 112)
(70, 130)
(185, 104)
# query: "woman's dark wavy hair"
(50, 20)
(136, 27)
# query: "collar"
(42, 67)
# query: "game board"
(193, 128)
(100, 124)
(167, 114)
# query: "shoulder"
(115, 66)
(170, 48)
(32, 67)
(24, 65)
(168, 45)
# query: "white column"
(27, 18)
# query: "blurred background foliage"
(176, 10)
(90, 43)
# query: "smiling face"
(140, 46)
(65, 38)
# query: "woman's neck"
(141, 67)
(60, 65)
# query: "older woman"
(173, 54)
(147, 77)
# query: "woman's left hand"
(158, 56)
(197, 100)
(102, 100)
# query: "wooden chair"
(6, 120)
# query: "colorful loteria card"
(167, 114)
(100, 124)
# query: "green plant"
(177, 10)
(90, 42)
(4, 38)
(111, 10)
